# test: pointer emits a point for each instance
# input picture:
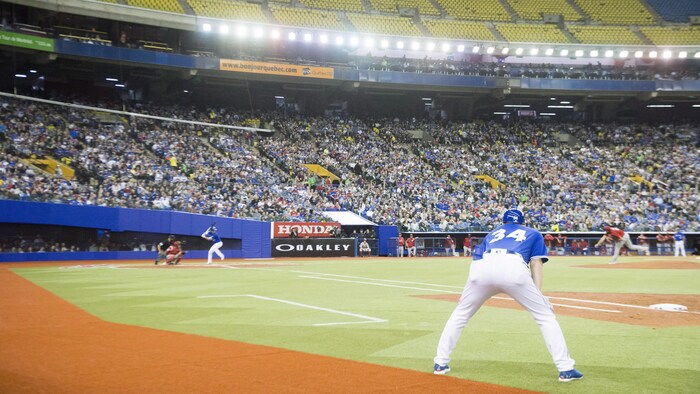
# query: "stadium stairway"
(187, 7)
(495, 32)
(367, 5)
(569, 36)
(265, 7)
(343, 17)
(438, 7)
(638, 33)
(511, 11)
(419, 24)
(580, 10)
(657, 17)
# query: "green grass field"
(367, 310)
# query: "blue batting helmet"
(514, 216)
(212, 229)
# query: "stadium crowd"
(460, 178)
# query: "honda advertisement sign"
(303, 229)
(313, 247)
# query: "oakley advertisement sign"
(318, 247)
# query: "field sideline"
(390, 311)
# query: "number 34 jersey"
(512, 238)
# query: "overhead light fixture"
(475, 49)
(258, 32)
(323, 38)
(20, 75)
(667, 54)
(490, 50)
(534, 51)
(565, 102)
(549, 51)
(638, 54)
(579, 53)
(384, 43)
(505, 51)
(552, 98)
(445, 47)
(399, 44)
(279, 97)
(369, 42)
(185, 91)
(354, 41)
(697, 55)
(682, 54)
(660, 106)
(430, 46)
(426, 99)
(292, 36)
(500, 113)
(206, 27)
(560, 106)
(111, 79)
(415, 45)
(308, 37)
(547, 113)
(624, 54)
(223, 29)
(275, 34)
(119, 85)
(339, 40)
(594, 53)
(564, 52)
(241, 31)
(519, 51)
(460, 48)
(653, 54)
(517, 105)
(609, 53)
(696, 105)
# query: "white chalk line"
(368, 319)
(319, 276)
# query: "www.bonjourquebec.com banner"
(26, 41)
(292, 70)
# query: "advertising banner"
(313, 247)
(292, 70)
(304, 229)
(26, 41)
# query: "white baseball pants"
(680, 248)
(625, 241)
(400, 251)
(215, 249)
(508, 274)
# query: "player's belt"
(501, 251)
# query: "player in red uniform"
(620, 239)
(400, 242)
(173, 254)
(411, 245)
(449, 246)
(467, 245)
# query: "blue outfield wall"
(254, 235)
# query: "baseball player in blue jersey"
(679, 243)
(212, 236)
(507, 252)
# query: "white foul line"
(566, 306)
(368, 319)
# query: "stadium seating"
(531, 33)
(424, 6)
(673, 35)
(442, 28)
(227, 9)
(384, 24)
(485, 10)
(676, 10)
(160, 5)
(339, 5)
(605, 35)
(617, 12)
(307, 18)
(533, 9)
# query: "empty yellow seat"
(425, 7)
(673, 35)
(533, 9)
(227, 9)
(442, 28)
(531, 33)
(304, 17)
(483, 10)
(340, 5)
(160, 5)
(605, 35)
(383, 24)
(617, 12)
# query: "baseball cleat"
(567, 376)
(441, 369)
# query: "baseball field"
(339, 325)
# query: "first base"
(669, 307)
